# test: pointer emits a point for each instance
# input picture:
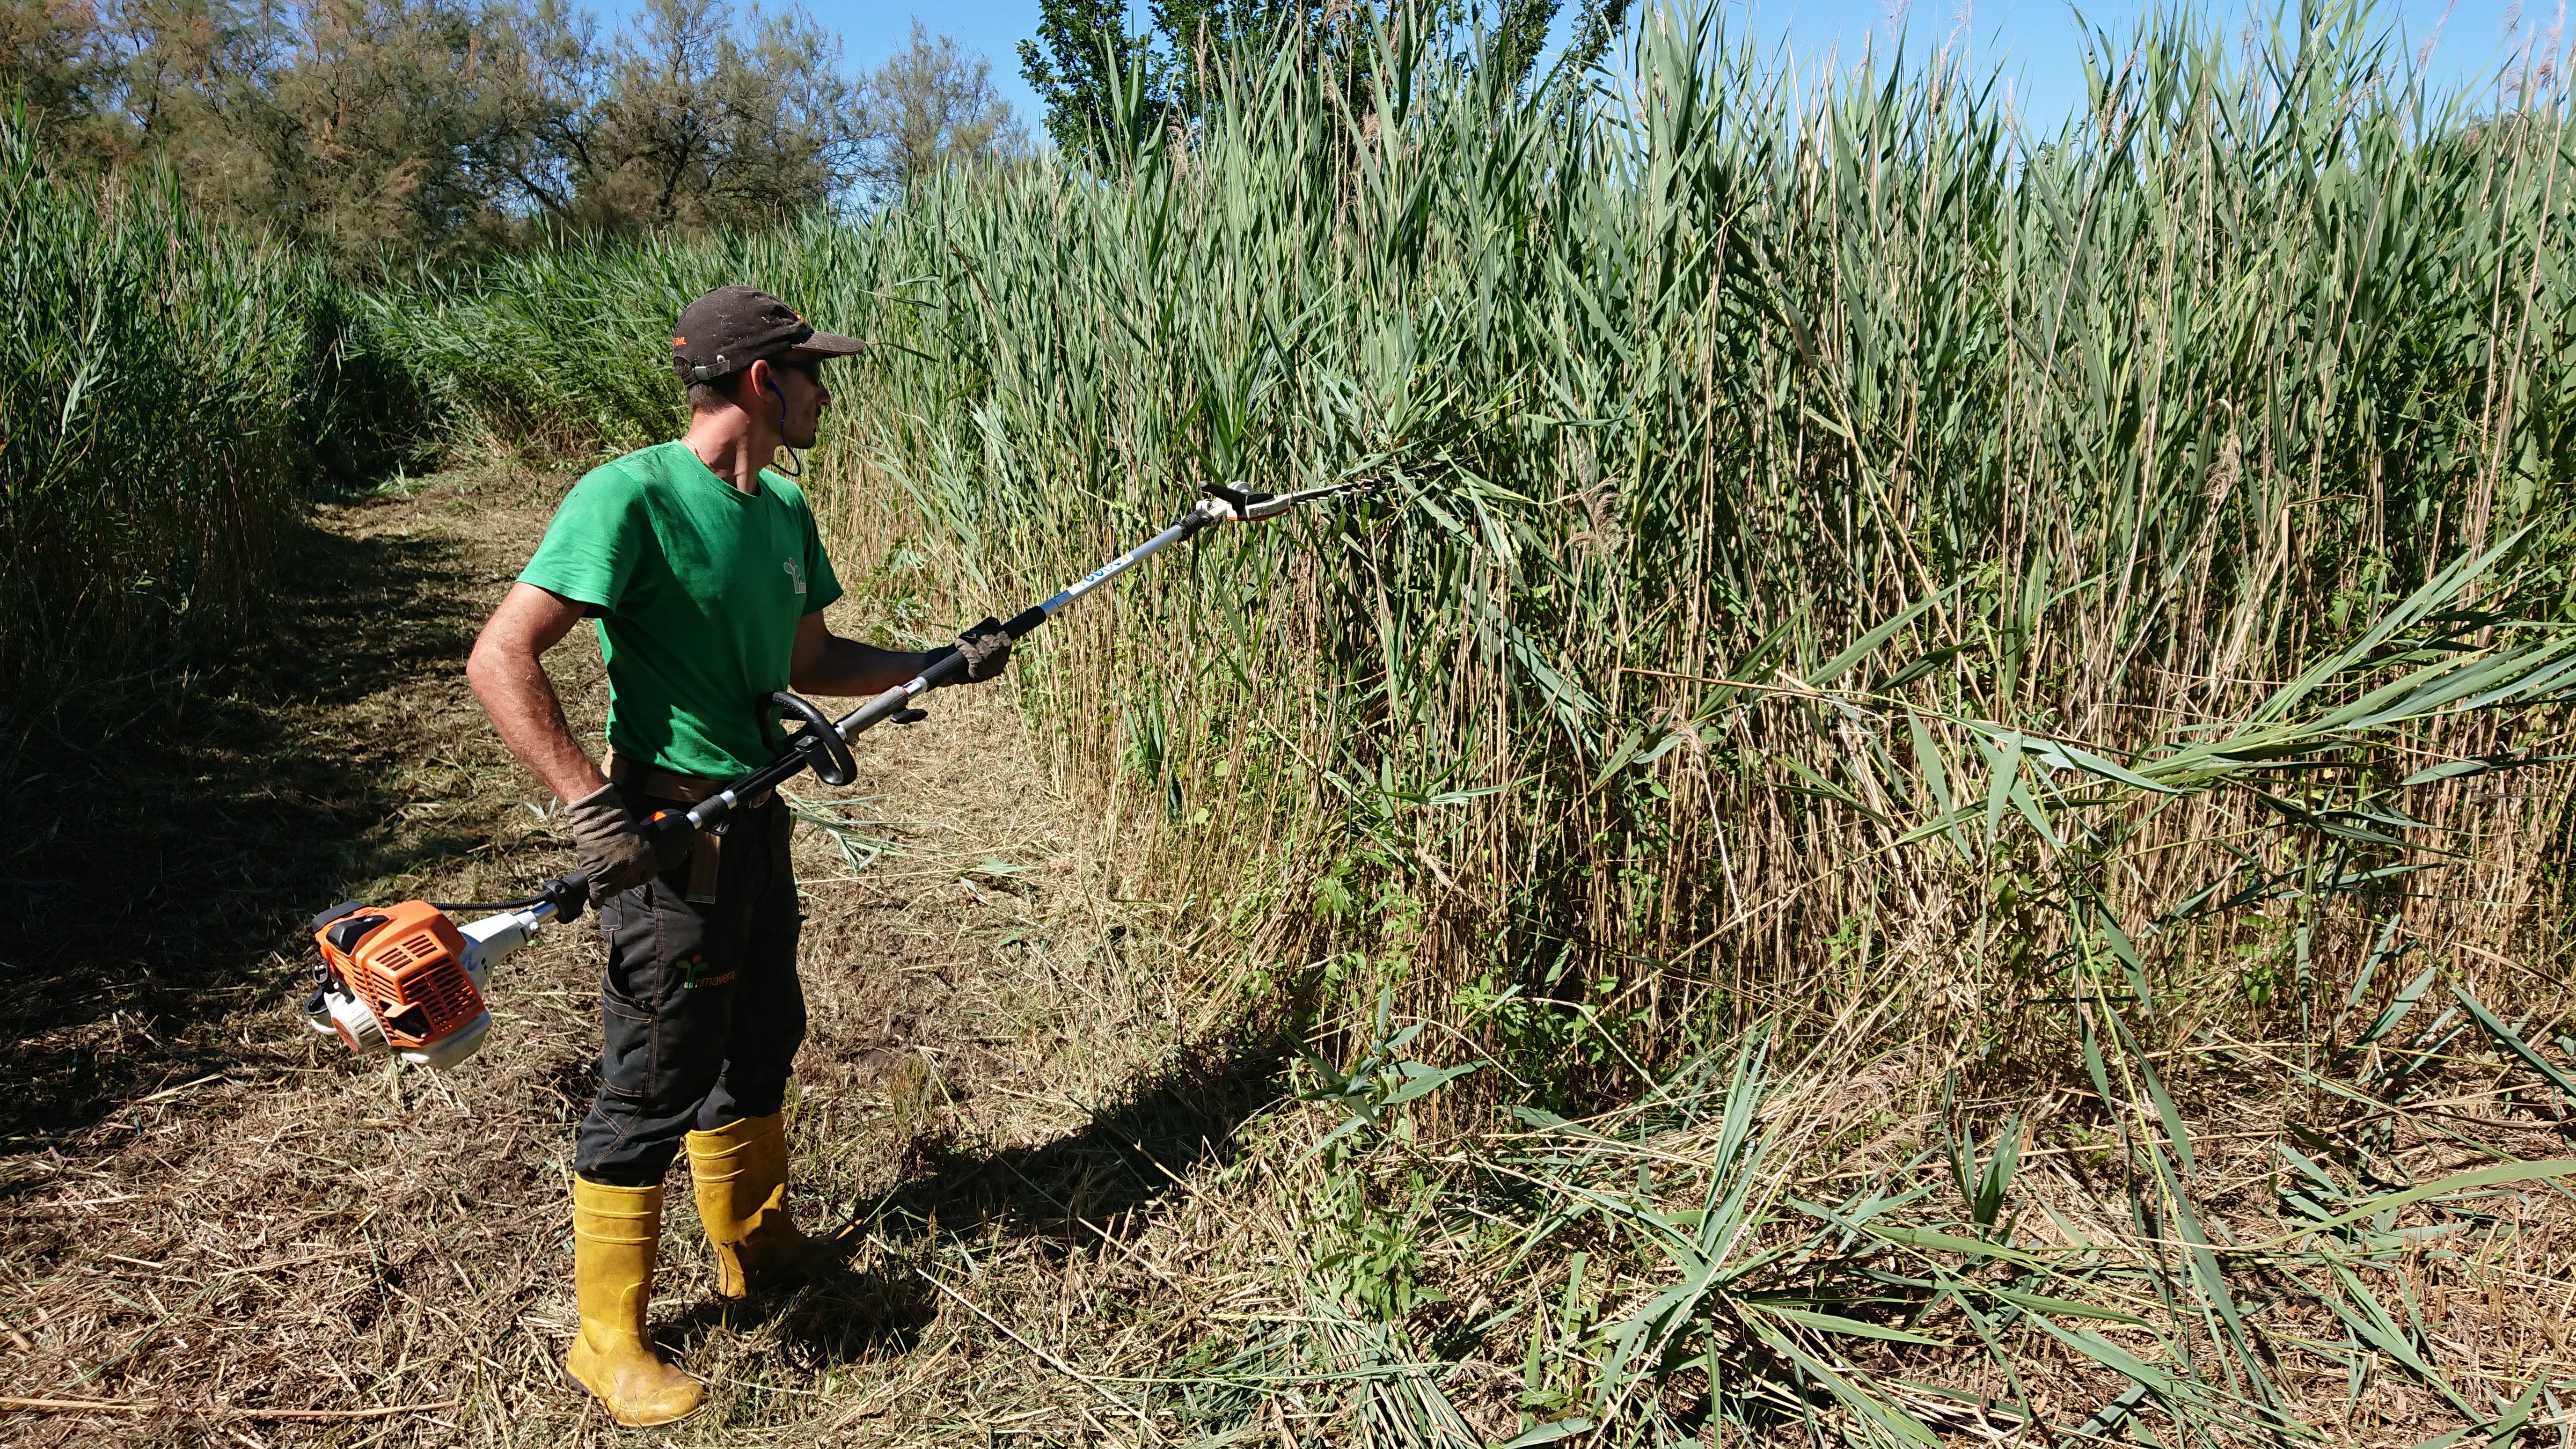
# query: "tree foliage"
(688, 122)
(1083, 61)
(931, 104)
(389, 132)
(1076, 63)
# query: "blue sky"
(2034, 43)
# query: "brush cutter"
(405, 981)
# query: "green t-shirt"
(699, 587)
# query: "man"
(708, 582)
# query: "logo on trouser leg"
(693, 974)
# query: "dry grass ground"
(2472, 1304)
(226, 1228)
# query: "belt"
(706, 853)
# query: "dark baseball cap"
(730, 328)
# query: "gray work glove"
(986, 647)
(614, 854)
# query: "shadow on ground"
(163, 838)
(845, 1316)
(1106, 1179)
(1103, 1177)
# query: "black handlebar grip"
(947, 669)
(1022, 623)
(568, 892)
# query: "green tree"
(1521, 29)
(368, 128)
(1197, 36)
(386, 130)
(931, 104)
(691, 122)
(1078, 60)
(1596, 27)
(1082, 53)
(54, 56)
(1082, 57)
(404, 130)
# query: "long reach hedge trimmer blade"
(1250, 506)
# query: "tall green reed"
(163, 386)
(1766, 452)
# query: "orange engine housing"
(410, 971)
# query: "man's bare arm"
(826, 663)
(510, 680)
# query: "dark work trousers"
(700, 1007)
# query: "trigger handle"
(671, 836)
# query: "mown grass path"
(225, 1230)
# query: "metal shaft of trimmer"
(949, 668)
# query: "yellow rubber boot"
(741, 1175)
(614, 1233)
